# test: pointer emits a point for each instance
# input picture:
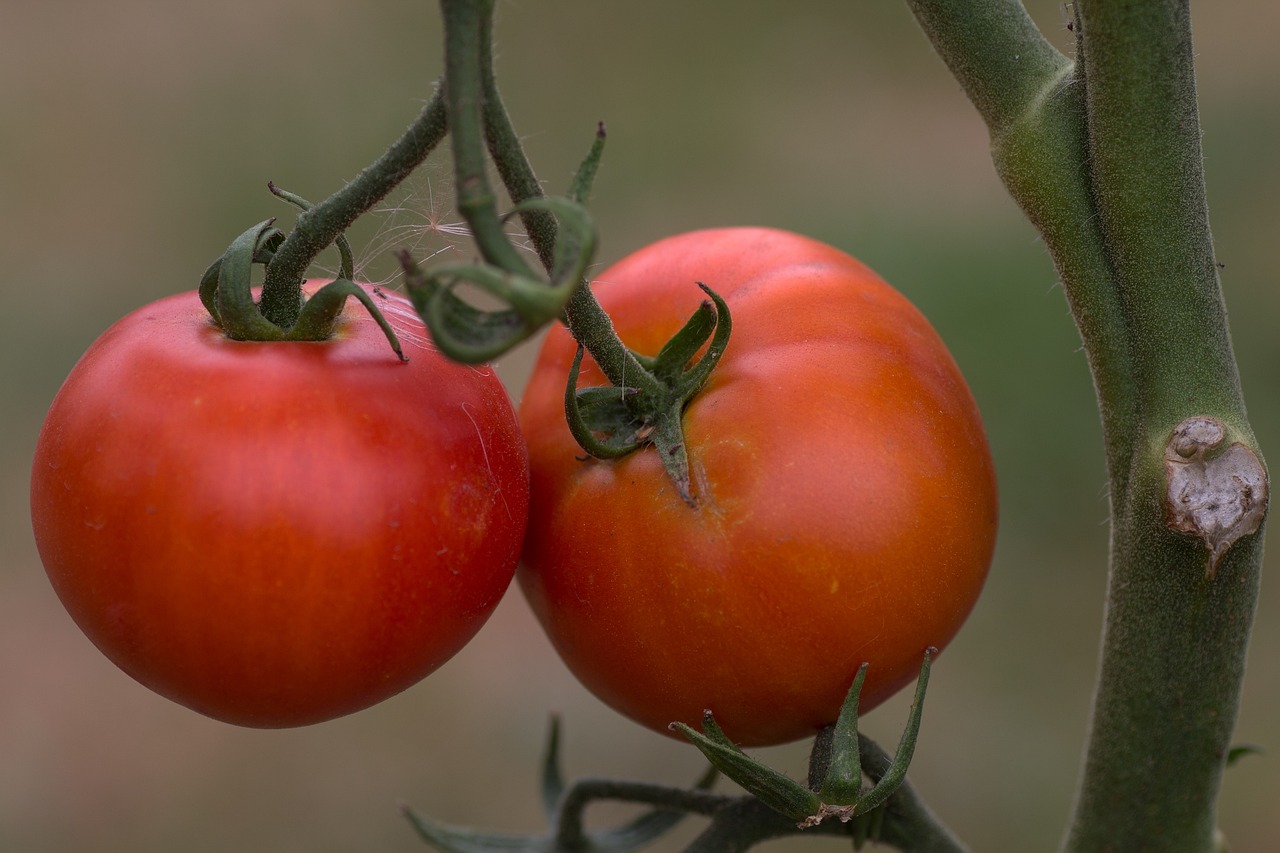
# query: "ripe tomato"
(276, 534)
(846, 497)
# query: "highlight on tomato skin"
(846, 510)
(277, 534)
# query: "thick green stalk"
(1104, 156)
(1176, 635)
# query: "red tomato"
(846, 497)
(276, 534)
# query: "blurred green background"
(137, 140)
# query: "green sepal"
(552, 787)
(627, 420)
(226, 291)
(1239, 751)
(209, 281)
(469, 334)
(600, 409)
(583, 179)
(887, 785)
(458, 840)
(842, 785)
(320, 314)
(712, 729)
(670, 363)
(575, 242)
(232, 300)
(697, 376)
(776, 790)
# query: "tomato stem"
(651, 405)
(323, 224)
(480, 124)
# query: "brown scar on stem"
(1215, 495)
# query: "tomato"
(846, 497)
(276, 534)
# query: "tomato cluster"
(276, 534)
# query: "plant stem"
(514, 168)
(1175, 640)
(739, 823)
(1104, 156)
(587, 321)
(467, 24)
(319, 227)
(570, 829)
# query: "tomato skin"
(277, 534)
(847, 497)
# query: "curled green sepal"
(267, 243)
(837, 759)
(609, 422)
(320, 314)
(469, 334)
(598, 416)
(226, 292)
(564, 807)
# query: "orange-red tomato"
(276, 534)
(846, 496)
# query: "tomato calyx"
(609, 422)
(564, 807)
(226, 290)
(836, 766)
(470, 334)
(834, 802)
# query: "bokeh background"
(136, 139)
